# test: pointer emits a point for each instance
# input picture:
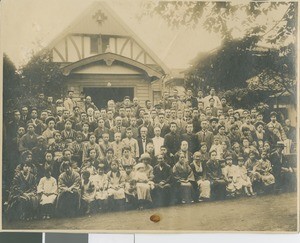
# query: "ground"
(261, 213)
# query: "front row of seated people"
(124, 184)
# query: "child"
(216, 146)
(130, 187)
(101, 182)
(77, 148)
(230, 174)
(47, 188)
(88, 192)
(104, 144)
(243, 178)
(116, 183)
(117, 145)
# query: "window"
(105, 43)
(94, 44)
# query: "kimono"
(23, 200)
(86, 147)
(253, 175)
(116, 183)
(47, 186)
(184, 175)
(49, 135)
(68, 203)
(68, 136)
(264, 168)
(28, 142)
(77, 150)
(101, 184)
(56, 148)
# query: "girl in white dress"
(48, 189)
(101, 183)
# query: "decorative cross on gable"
(100, 17)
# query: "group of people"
(68, 158)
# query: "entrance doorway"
(100, 96)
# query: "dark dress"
(68, 203)
(162, 180)
(23, 200)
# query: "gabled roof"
(126, 29)
(109, 58)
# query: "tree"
(40, 74)
(226, 18)
(239, 68)
(11, 84)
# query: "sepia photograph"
(149, 116)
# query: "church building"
(103, 58)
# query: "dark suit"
(165, 129)
(140, 144)
(172, 142)
(208, 138)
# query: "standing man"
(172, 139)
(212, 94)
(69, 103)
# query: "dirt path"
(264, 213)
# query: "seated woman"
(88, 193)
(23, 200)
(101, 183)
(144, 183)
(116, 184)
(68, 200)
(201, 184)
(47, 189)
(263, 167)
(162, 179)
(26, 157)
(184, 178)
(126, 159)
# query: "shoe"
(200, 200)
(183, 202)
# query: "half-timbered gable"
(102, 56)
